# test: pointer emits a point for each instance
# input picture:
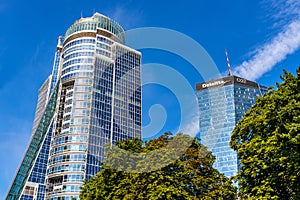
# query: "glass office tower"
(93, 97)
(222, 102)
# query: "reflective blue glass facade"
(36, 149)
(98, 101)
(35, 187)
(222, 102)
(55, 69)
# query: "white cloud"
(284, 9)
(192, 128)
(267, 56)
(286, 42)
(190, 123)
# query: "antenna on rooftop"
(81, 14)
(228, 63)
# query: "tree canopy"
(267, 141)
(166, 174)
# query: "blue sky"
(262, 38)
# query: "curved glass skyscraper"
(93, 97)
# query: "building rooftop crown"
(95, 22)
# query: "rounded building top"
(97, 22)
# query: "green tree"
(267, 141)
(181, 174)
